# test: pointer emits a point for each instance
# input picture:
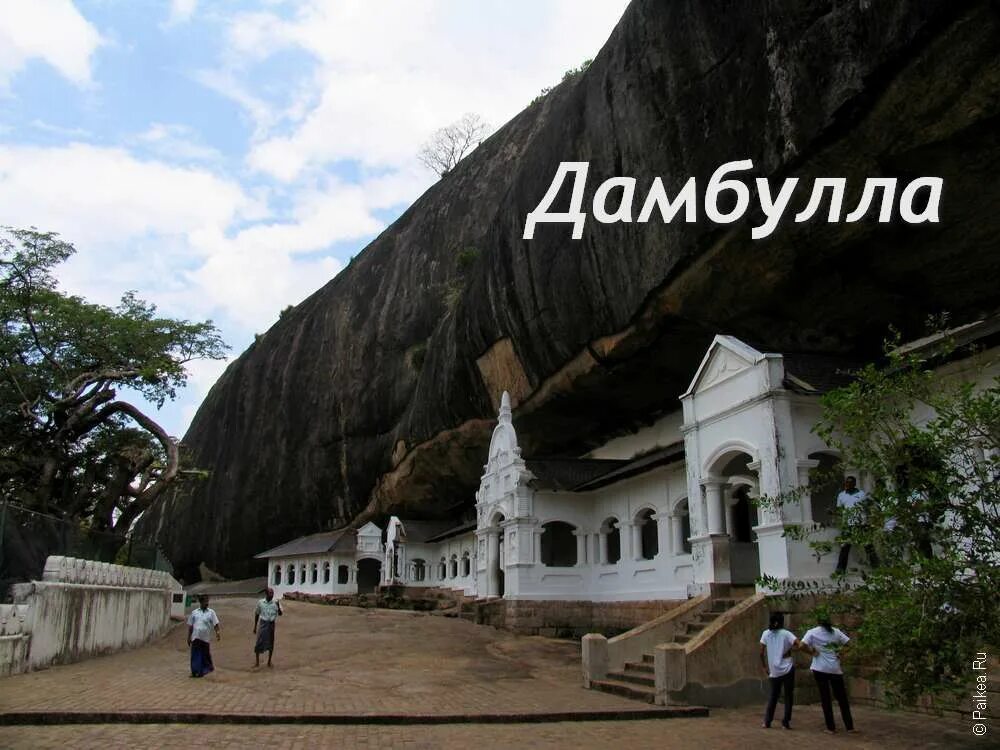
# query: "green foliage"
(567, 76)
(466, 258)
(452, 294)
(417, 356)
(930, 447)
(67, 443)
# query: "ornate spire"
(505, 417)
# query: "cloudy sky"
(225, 158)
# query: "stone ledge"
(50, 718)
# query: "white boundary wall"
(83, 608)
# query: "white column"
(804, 466)
(713, 501)
(603, 551)
(492, 560)
(636, 540)
(677, 526)
(581, 547)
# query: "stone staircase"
(637, 679)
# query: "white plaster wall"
(666, 576)
(308, 587)
(83, 608)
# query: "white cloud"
(176, 143)
(387, 75)
(181, 11)
(197, 244)
(50, 30)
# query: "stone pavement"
(344, 661)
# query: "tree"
(68, 444)
(932, 516)
(449, 145)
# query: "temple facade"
(658, 515)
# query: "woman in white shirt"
(776, 646)
(823, 643)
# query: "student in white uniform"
(776, 646)
(823, 642)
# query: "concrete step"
(626, 690)
(707, 617)
(640, 667)
(633, 678)
(683, 638)
(648, 658)
(694, 627)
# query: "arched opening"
(466, 565)
(369, 575)
(277, 575)
(302, 573)
(290, 580)
(613, 540)
(649, 542)
(453, 567)
(442, 569)
(825, 482)
(558, 545)
(419, 569)
(326, 572)
(743, 516)
(682, 525)
(314, 578)
(343, 574)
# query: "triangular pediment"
(725, 358)
(370, 529)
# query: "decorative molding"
(59, 569)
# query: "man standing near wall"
(849, 503)
(265, 618)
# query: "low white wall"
(82, 608)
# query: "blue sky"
(226, 158)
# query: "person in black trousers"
(776, 646)
(823, 642)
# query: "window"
(419, 570)
(342, 574)
(302, 573)
(442, 570)
(466, 565)
(291, 573)
(648, 534)
(315, 573)
(558, 545)
(326, 572)
(454, 566)
(614, 540)
(682, 537)
(277, 575)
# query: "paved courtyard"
(339, 661)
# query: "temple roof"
(342, 540)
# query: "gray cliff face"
(377, 392)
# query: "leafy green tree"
(930, 446)
(68, 444)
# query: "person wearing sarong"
(264, 619)
(201, 622)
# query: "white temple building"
(660, 515)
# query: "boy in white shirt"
(776, 646)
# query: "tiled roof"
(343, 540)
(569, 473)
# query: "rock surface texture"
(377, 393)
